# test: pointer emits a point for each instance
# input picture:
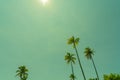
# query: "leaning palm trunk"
(95, 68)
(79, 61)
(72, 70)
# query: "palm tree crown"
(70, 58)
(73, 41)
(22, 72)
(72, 77)
(88, 52)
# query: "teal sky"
(35, 35)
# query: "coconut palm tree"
(74, 42)
(71, 59)
(88, 53)
(22, 73)
(72, 77)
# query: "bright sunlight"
(44, 2)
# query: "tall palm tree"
(74, 42)
(71, 59)
(22, 73)
(88, 53)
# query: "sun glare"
(44, 2)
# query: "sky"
(35, 35)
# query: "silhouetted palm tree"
(72, 77)
(22, 72)
(88, 53)
(70, 59)
(74, 42)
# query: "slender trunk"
(79, 61)
(95, 68)
(72, 70)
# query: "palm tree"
(88, 53)
(72, 77)
(22, 72)
(74, 42)
(70, 59)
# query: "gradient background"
(35, 36)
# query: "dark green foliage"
(22, 73)
(73, 41)
(112, 77)
(88, 53)
(70, 58)
(93, 79)
(72, 77)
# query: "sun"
(44, 1)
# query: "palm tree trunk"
(79, 62)
(72, 69)
(95, 68)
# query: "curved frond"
(22, 72)
(88, 53)
(18, 74)
(70, 57)
(77, 40)
(71, 40)
(72, 77)
(17, 71)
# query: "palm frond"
(70, 57)
(77, 40)
(17, 71)
(18, 74)
(22, 72)
(72, 77)
(73, 61)
(88, 52)
(71, 40)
